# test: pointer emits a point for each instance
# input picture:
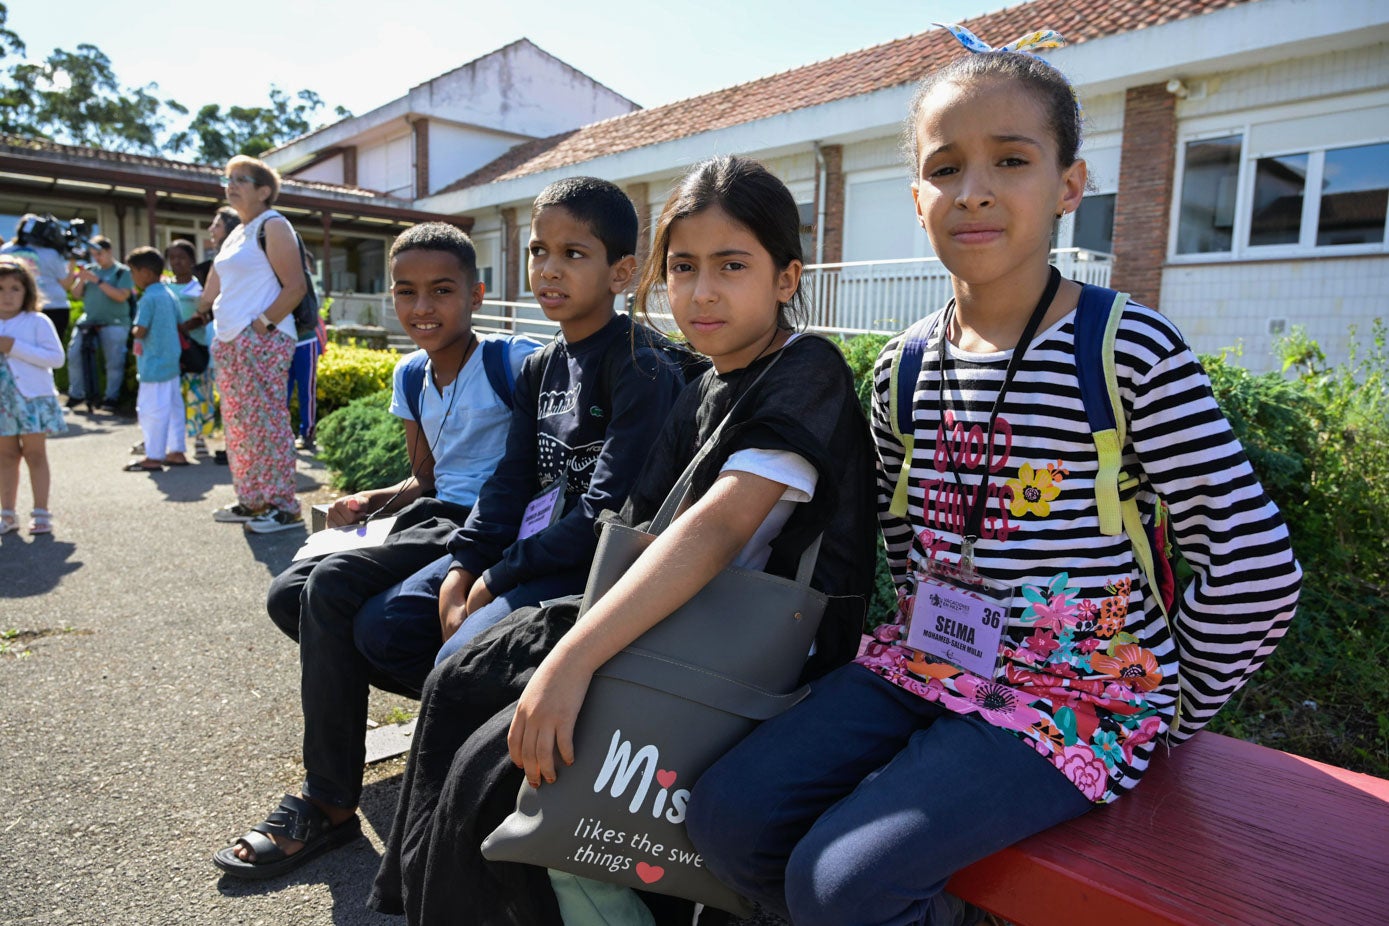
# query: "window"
(1094, 223)
(1354, 196)
(1279, 184)
(1210, 180)
(1239, 203)
(807, 214)
(523, 263)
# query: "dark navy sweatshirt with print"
(599, 405)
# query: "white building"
(1239, 151)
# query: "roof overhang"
(195, 188)
(1244, 35)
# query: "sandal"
(138, 466)
(9, 522)
(40, 521)
(297, 819)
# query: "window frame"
(1306, 247)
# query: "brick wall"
(834, 202)
(1144, 202)
(349, 165)
(422, 158)
(640, 194)
(511, 254)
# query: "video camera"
(67, 238)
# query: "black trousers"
(316, 602)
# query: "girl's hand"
(6, 345)
(545, 716)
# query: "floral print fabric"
(251, 373)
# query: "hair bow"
(1028, 44)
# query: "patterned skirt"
(19, 415)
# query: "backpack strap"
(905, 370)
(496, 363)
(1116, 492)
(412, 381)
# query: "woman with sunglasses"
(253, 345)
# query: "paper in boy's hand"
(350, 537)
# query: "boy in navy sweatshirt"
(588, 407)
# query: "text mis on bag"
(656, 716)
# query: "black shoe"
(74, 401)
(110, 405)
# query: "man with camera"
(104, 288)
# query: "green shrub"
(1320, 444)
(347, 372)
(364, 444)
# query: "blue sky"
(362, 54)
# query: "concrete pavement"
(157, 715)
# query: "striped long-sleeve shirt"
(1090, 672)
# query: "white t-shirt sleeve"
(790, 469)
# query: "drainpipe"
(820, 205)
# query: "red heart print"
(665, 777)
(650, 874)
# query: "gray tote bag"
(658, 714)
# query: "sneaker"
(239, 513)
(138, 448)
(200, 447)
(305, 443)
(275, 519)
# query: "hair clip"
(1027, 44)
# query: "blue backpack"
(1116, 492)
(496, 362)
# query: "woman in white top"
(253, 345)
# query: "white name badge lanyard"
(958, 615)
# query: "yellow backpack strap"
(901, 387)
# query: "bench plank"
(1220, 831)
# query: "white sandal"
(9, 523)
(40, 521)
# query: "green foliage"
(347, 372)
(220, 134)
(364, 444)
(1320, 445)
(74, 97)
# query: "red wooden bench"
(1219, 832)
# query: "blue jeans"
(411, 602)
(858, 804)
(303, 379)
(113, 341)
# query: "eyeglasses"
(228, 181)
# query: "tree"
(219, 134)
(75, 98)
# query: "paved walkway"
(158, 715)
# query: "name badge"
(959, 620)
(543, 510)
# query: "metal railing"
(854, 297)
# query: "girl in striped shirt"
(1029, 671)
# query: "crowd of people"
(910, 757)
(215, 340)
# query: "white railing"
(856, 297)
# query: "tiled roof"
(877, 68)
(11, 144)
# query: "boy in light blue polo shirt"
(159, 402)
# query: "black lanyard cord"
(974, 521)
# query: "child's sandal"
(40, 521)
(9, 523)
